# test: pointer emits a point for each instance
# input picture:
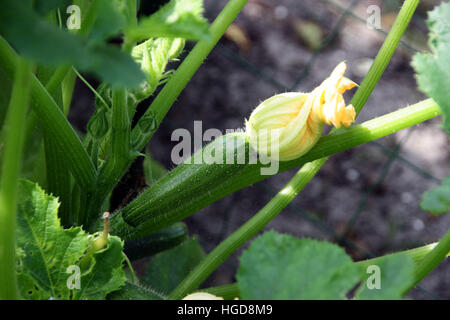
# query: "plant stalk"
(14, 125)
(432, 259)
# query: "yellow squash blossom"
(288, 125)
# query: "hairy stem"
(432, 259)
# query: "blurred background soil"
(366, 199)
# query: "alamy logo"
(374, 17)
(374, 280)
(74, 20)
(73, 281)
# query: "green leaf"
(396, 274)
(105, 274)
(277, 266)
(131, 291)
(168, 268)
(178, 18)
(24, 29)
(110, 19)
(437, 200)
(46, 251)
(153, 56)
(44, 6)
(28, 288)
(433, 70)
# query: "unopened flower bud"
(202, 296)
(98, 125)
(288, 125)
(153, 56)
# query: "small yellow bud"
(288, 125)
(202, 296)
(100, 242)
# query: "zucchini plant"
(61, 237)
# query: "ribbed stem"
(432, 259)
(54, 120)
(14, 125)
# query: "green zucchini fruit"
(185, 189)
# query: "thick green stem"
(432, 259)
(307, 172)
(59, 181)
(51, 86)
(119, 155)
(385, 54)
(9, 181)
(54, 120)
(121, 127)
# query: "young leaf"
(105, 274)
(437, 200)
(176, 19)
(433, 70)
(168, 268)
(24, 29)
(388, 279)
(153, 56)
(277, 266)
(46, 251)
